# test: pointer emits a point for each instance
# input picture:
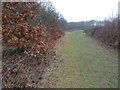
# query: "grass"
(87, 64)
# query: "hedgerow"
(19, 33)
(108, 33)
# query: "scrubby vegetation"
(17, 32)
(108, 33)
(30, 31)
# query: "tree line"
(83, 25)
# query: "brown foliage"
(18, 33)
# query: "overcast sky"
(82, 10)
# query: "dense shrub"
(108, 33)
(18, 33)
(27, 42)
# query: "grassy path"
(86, 64)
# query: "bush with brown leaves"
(18, 33)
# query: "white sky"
(82, 10)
